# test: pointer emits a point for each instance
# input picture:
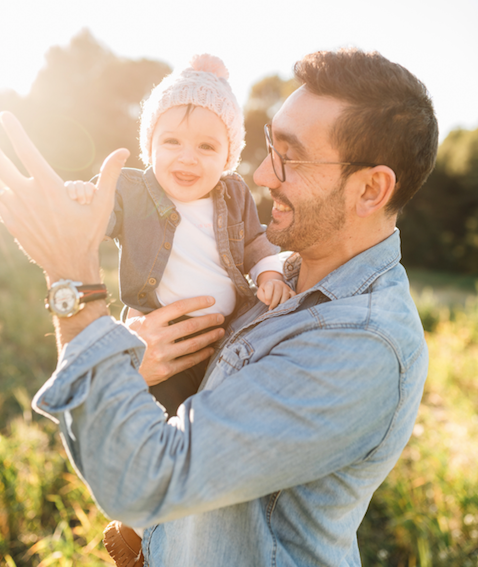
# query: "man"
(304, 409)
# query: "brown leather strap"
(92, 292)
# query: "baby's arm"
(81, 191)
(272, 289)
(268, 275)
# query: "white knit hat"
(204, 84)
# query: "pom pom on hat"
(210, 64)
(204, 84)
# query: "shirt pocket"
(235, 356)
(236, 243)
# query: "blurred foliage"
(440, 224)
(47, 516)
(84, 104)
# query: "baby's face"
(189, 153)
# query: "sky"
(437, 40)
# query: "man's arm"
(276, 423)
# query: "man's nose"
(264, 175)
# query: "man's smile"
(281, 207)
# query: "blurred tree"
(440, 225)
(265, 99)
(84, 104)
(458, 156)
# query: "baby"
(188, 226)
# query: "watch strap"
(92, 292)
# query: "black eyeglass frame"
(283, 160)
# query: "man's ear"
(378, 184)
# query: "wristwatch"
(65, 297)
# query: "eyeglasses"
(279, 161)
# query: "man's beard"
(313, 221)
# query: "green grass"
(425, 514)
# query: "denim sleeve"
(310, 407)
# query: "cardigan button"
(142, 295)
(152, 281)
(174, 217)
(167, 245)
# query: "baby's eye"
(172, 141)
(207, 147)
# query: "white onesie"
(194, 267)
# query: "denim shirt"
(302, 414)
(143, 223)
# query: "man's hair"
(388, 119)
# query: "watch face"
(64, 301)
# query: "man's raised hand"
(56, 232)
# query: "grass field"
(425, 514)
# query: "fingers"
(278, 292)
(9, 174)
(179, 308)
(274, 292)
(5, 216)
(26, 150)
(192, 326)
(80, 191)
(5, 195)
(110, 171)
(160, 372)
(189, 361)
(164, 358)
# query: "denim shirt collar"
(353, 277)
(159, 196)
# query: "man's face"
(310, 205)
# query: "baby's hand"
(272, 292)
(81, 191)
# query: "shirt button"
(219, 222)
(241, 233)
(142, 295)
(167, 245)
(290, 267)
(226, 259)
(174, 217)
(152, 281)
